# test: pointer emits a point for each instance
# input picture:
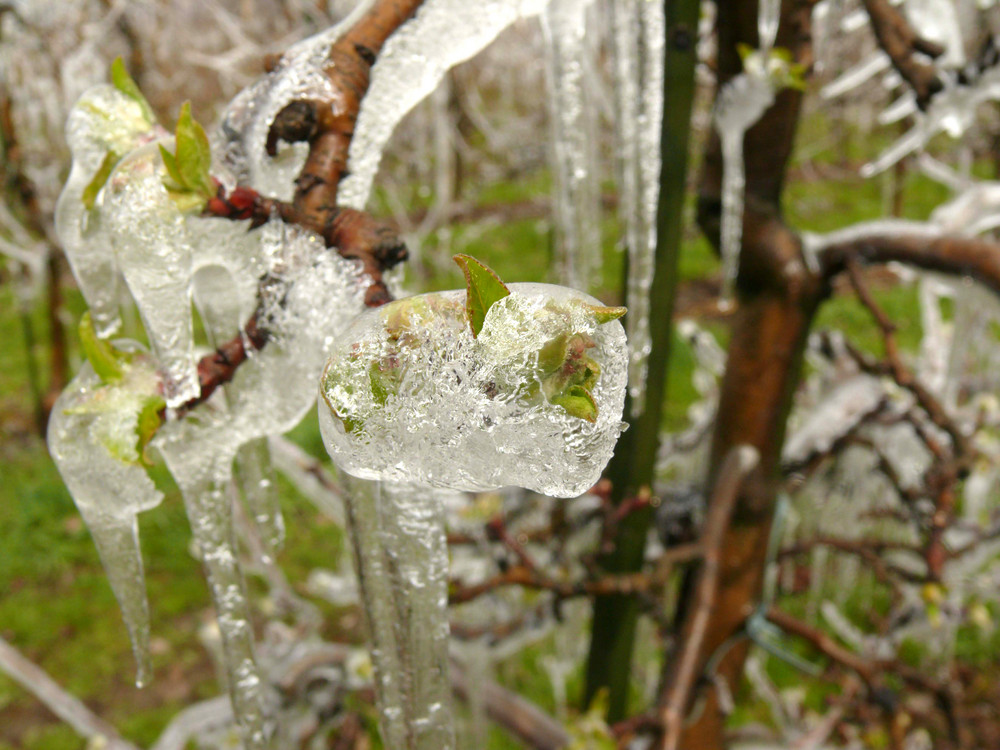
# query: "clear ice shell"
(153, 250)
(409, 67)
(465, 413)
(109, 494)
(103, 121)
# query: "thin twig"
(67, 707)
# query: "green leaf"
(170, 163)
(107, 362)
(552, 355)
(194, 156)
(606, 314)
(122, 81)
(100, 178)
(147, 423)
(577, 402)
(483, 288)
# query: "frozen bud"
(521, 386)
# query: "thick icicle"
(109, 492)
(572, 129)
(153, 250)
(402, 561)
(534, 401)
(203, 471)
(638, 38)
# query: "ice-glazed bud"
(153, 250)
(96, 439)
(103, 126)
(534, 399)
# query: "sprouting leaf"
(193, 155)
(147, 423)
(100, 178)
(170, 163)
(122, 81)
(577, 402)
(604, 314)
(553, 354)
(106, 361)
(483, 288)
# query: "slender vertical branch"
(631, 469)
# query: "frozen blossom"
(103, 126)
(410, 395)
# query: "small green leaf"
(606, 314)
(194, 156)
(483, 288)
(577, 402)
(553, 354)
(170, 163)
(147, 423)
(122, 81)
(100, 178)
(377, 381)
(107, 362)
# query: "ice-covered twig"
(901, 43)
(194, 721)
(68, 708)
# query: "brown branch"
(328, 127)
(901, 43)
(687, 664)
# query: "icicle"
(256, 481)
(573, 143)
(202, 467)
(409, 67)
(153, 251)
(742, 102)
(109, 493)
(402, 562)
(768, 18)
(638, 35)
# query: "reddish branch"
(901, 43)
(328, 127)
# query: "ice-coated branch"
(901, 43)
(68, 708)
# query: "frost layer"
(410, 396)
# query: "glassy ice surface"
(401, 557)
(768, 18)
(410, 396)
(153, 250)
(572, 139)
(108, 491)
(638, 75)
(255, 476)
(743, 100)
(411, 64)
(103, 124)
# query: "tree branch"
(901, 43)
(687, 664)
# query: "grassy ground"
(55, 604)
